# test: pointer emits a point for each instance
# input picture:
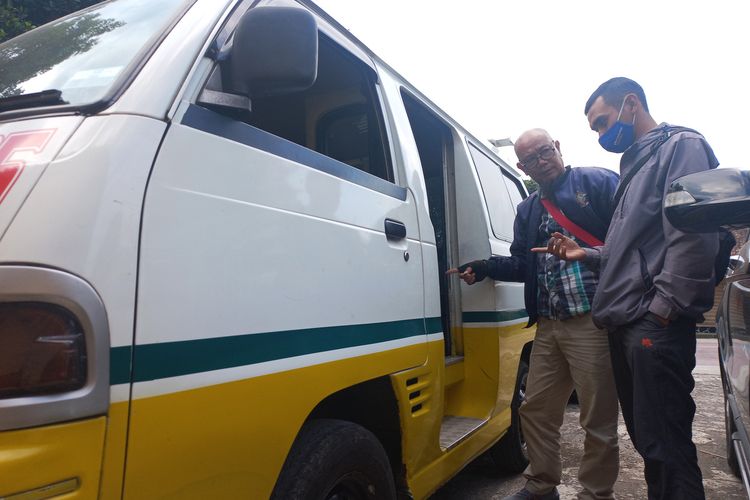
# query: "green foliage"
(12, 22)
(531, 186)
(43, 11)
(18, 16)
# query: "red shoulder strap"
(571, 226)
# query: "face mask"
(620, 136)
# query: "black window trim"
(214, 123)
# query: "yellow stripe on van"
(230, 440)
(51, 456)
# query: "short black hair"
(614, 91)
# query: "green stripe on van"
(434, 325)
(119, 365)
(493, 316)
(171, 359)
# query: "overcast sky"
(501, 67)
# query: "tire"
(729, 428)
(509, 454)
(335, 460)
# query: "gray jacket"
(646, 264)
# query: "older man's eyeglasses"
(545, 153)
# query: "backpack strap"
(568, 224)
(667, 132)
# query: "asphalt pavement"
(479, 480)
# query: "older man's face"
(539, 157)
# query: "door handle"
(394, 230)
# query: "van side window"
(501, 207)
(516, 192)
(339, 116)
(346, 134)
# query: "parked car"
(704, 201)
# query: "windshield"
(83, 55)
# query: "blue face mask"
(620, 136)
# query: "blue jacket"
(584, 195)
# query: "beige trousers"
(567, 355)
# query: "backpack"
(726, 239)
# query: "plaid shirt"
(566, 288)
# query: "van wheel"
(729, 429)
(335, 460)
(510, 453)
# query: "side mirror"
(274, 51)
(703, 201)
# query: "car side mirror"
(274, 51)
(704, 201)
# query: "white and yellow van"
(224, 231)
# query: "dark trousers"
(653, 367)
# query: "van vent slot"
(418, 393)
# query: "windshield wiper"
(49, 97)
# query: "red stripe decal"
(10, 168)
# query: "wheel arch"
(371, 404)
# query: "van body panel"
(241, 230)
(26, 148)
(490, 366)
(318, 224)
(489, 333)
(94, 191)
(421, 424)
(407, 160)
(83, 216)
(429, 478)
(164, 75)
(115, 446)
(230, 440)
(32, 459)
(409, 167)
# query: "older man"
(569, 351)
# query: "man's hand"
(468, 275)
(563, 247)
